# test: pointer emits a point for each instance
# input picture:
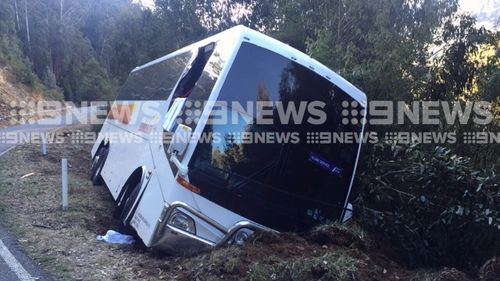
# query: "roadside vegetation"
(432, 206)
(64, 242)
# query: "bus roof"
(242, 33)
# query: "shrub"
(94, 83)
(432, 206)
(11, 54)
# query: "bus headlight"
(241, 236)
(183, 222)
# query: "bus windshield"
(285, 174)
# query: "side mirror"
(179, 143)
(173, 113)
(180, 139)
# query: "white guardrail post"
(64, 164)
(44, 144)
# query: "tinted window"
(199, 93)
(155, 82)
(200, 88)
(287, 185)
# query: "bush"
(432, 206)
(11, 54)
(94, 83)
(53, 95)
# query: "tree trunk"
(339, 20)
(27, 26)
(57, 53)
(61, 9)
(17, 15)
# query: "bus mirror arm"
(183, 170)
(180, 141)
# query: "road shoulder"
(28, 265)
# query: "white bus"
(195, 151)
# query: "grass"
(64, 242)
(330, 266)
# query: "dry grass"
(64, 242)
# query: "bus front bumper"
(175, 239)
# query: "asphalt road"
(14, 264)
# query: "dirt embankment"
(64, 243)
(19, 103)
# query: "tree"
(380, 45)
(10, 47)
(453, 73)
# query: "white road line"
(14, 265)
(8, 149)
(7, 256)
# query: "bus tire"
(97, 165)
(128, 204)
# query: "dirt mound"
(326, 253)
(335, 235)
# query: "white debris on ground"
(114, 237)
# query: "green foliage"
(94, 84)
(7, 23)
(382, 45)
(431, 206)
(467, 70)
(10, 54)
(53, 95)
(379, 45)
(453, 74)
(10, 50)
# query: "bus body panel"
(148, 210)
(122, 160)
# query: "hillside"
(18, 102)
